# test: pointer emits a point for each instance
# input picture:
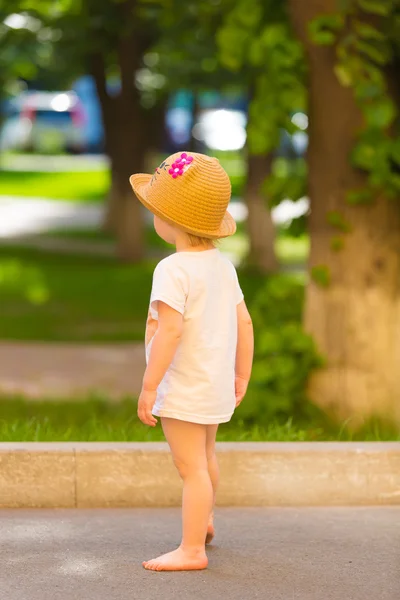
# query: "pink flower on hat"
(178, 167)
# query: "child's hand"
(240, 389)
(145, 405)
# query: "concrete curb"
(252, 474)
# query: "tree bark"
(152, 122)
(124, 137)
(355, 320)
(260, 227)
(112, 205)
(127, 157)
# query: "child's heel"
(210, 534)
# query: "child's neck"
(182, 245)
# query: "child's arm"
(165, 343)
(244, 351)
(151, 328)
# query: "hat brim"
(140, 183)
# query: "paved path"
(56, 370)
(266, 554)
(28, 216)
(21, 215)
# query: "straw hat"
(191, 191)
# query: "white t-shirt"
(199, 385)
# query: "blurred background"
(93, 92)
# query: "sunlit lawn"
(99, 420)
(84, 186)
(79, 186)
(292, 251)
(50, 296)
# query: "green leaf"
(323, 30)
(371, 73)
(262, 139)
(356, 68)
(232, 44)
(367, 91)
(274, 35)
(379, 54)
(248, 14)
(394, 181)
(338, 221)
(344, 74)
(288, 179)
(380, 114)
(363, 155)
(337, 243)
(365, 30)
(256, 53)
(321, 275)
(323, 37)
(376, 7)
(364, 196)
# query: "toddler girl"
(199, 337)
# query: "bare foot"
(178, 560)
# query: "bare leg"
(188, 446)
(213, 471)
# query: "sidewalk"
(25, 216)
(38, 370)
(21, 215)
(274, 554)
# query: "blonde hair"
(195, 240)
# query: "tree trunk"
(125, 137)
(152, 122)
(112, 204)
(123, 213)
(260, 227)
(128, 219)
(355, 320)
(130, 238)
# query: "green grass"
(71, 297)
(58, 297)
(78, 186)
(98, 235)
(291, 250)
(99, 420)
(84, 186)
